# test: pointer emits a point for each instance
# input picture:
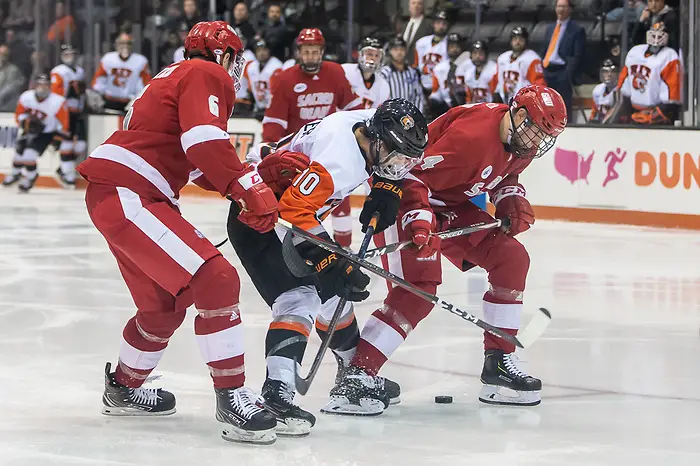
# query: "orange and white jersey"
(651, 79)
(428, 56)
(603, 101)
(374, 92)
(337, 168)
(480, 85)
(51, 111)
(440, 88)
(514, 73)
(67, 81)
(258, 80)
(121, 80)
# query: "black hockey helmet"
(401, 129)
(482, 46)
(520, 31)
(609, 72)
(440, 29)
(455, 38)
(260, 43)
(443, 15)
(396, 41)
(370, 63)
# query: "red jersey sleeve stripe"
(279, 121)
(200, 134)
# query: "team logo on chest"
(300, 87)
(640, 77)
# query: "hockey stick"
(455, 232)
(526, 338)
(302, 384)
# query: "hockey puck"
(443, 399)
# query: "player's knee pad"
(158, 327)
(296, 309)
(215, 285)
(328, 309)
(507, 264)
(29, 156)
(405, 308)
(66, 147)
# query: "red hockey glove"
(651, 116)
(514, 208)
(419, 224)
(258, 202)
(279, 169)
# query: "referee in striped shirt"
(404, 81)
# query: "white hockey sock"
(68, 169)
(281, 368)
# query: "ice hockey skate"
(382, 383)
(357, 394)
(292, 421)
(26, 183)
(505, 383)
(243, 417)
(65, 182)
(11, 179)
(120, 400)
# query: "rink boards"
(593, 174)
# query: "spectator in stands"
(657, 12)
(20, 53)
(12, 83)
(21, 15)
(275, 32)
(242, 22)
(62, 31)
(191, 14)
(417, 27)
(636, 7)
(564, 54)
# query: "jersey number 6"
(307, 182)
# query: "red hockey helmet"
(533, 136)
(311, 36)
(312, 62)
(213, 39)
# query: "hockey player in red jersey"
(175, 131)
(306, 92)
(472, 149)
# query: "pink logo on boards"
(571, 165)
(612, 159)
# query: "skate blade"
(234, 434)
(293, 427)
(123, 411)
(395, 401)
(495, 395)
(342, 406)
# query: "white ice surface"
(620, 363)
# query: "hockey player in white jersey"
(605, 94)
(121, 75)
(480, 74)
(518, 67)
(363, 76)
(345, 149)
(257, 75)
(431, 50)
(650, 82)
(68, 81)
(41, 116)
(448, 84)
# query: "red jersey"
(464, 158)
(175, 128)
(299, 98)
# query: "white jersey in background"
(121, 80)
(179, 54)
(248, 56)
(258, 80)
(481, 85)
(289, 63)
(651, 79)
(516, 73)
(67, 81)
(374, 92)
(440, 86)
(51, 111)
(603, 101)
(427, 56)
(337, 168)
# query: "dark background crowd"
(159, 27)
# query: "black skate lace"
(144, 396)
(511, 361)
(245, 402)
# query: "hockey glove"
(384, 198)
(257, 201)
(33, 125)
(513, 209)
(279, 169)
(416, 224)
(335, 273)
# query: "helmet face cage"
(657, 37)
(609, 74)
(529, 141)
(42, 87)
(393, 164)
(371, 63)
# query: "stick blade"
(301, 384)
(295, 263)
(535, 328)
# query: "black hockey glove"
(384, 198)
(335, 273)
(33, 126)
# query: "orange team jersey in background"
(51, 111)
(66, 81)
(119, 79)
(651, 79)
(514, 73)
(59, 30)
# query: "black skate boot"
(357, 394)
(501, 374)
(382, 383)
(292, 421)
(243, 418)
(120, 400)
(11, 179)
(26, 184)
(65, 182)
